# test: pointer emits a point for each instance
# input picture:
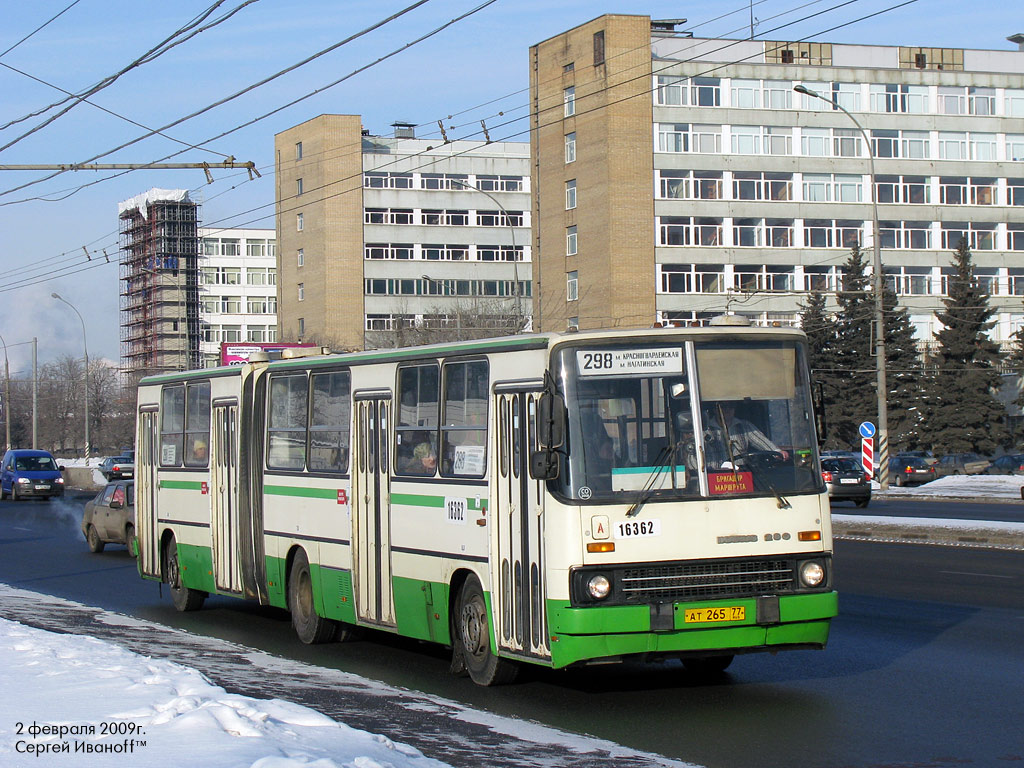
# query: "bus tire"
(184, 598)
(707, 666)
(96, 544)
(311, 628)
(473, 639)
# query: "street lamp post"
(85, 346)
(515, 256)
(7, 394)
(882, 441)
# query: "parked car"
(961, 464)
(26, 473)
(1010, 464)
(846, 481)
(117, 467)
(110, 517)
(910, 470)
(928, 456)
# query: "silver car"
(110, 517)
(846, 481)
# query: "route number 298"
(597, 361)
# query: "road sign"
(867, 454)
(867, 429)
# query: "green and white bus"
(553, 499)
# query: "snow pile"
(76, 700)
(963, 486)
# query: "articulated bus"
(553, 499)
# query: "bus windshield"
(690, 420)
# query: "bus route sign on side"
(867, 429)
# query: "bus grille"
(706, 580)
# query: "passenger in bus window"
(423, 461)
(200, 452)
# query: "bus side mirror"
(551, 420)
(544, 464)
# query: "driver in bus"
(744, 437)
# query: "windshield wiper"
(780, 501)
(666, 455)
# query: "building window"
(569, 101)
(846, 142)
(981, 101)
(915, 145)
(674, 184)
(952, 146)
(982, 146)
(1014, 147)
(746, 139)
(298, 222)
(982, 191)
(570, 194)
(746, 233)
(1015, 191)
(570, 241)
(745, 94)
(886, 143)
(302, 327)
(570, 147)
(952, 100)
(300, 257)
(298, 150)
(953, 190)
(849, 188)
(778, 94)
(847, 95)
(599, 48)
(778, 140)
(1013, 102)
(302, 291)
(707, 185)
(814, 142)
(779, 233)
(707, 139)
(706, 92)
(572, 286)
(298, 187)
(1015, 239)
(817, 188)
(671, 91)
(672, 137)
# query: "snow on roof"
(143, 201)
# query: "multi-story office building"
(237, 289)
(677, 178)
(378, 235)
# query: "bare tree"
(456, 321)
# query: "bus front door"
(146, 490)
(224, 480)
(517, 575)
(371, 521)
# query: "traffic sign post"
(867, 448)
(867, 456)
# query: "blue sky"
(474, 62)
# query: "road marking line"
(983, 575)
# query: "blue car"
(26, 473)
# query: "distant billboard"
(236, 353)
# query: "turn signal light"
(601, 546)
(809, 536)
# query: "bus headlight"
(812, 573)
(598, 587)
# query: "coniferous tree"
(820, 327)
(904, 374)
(962, 412)
(854, 365)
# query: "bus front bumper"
(594, 633)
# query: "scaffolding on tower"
(159, 242)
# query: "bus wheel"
(96, 544)
(310, 627)
(707, 666)
(473, 639)
(184, 598)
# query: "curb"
(957, 533)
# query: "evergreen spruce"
(904, 375)
(853, 377)
(820, 328)
(962, 412)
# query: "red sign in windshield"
(730, 482)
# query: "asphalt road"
(923, 666)
(1008, 511)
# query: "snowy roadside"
(76, 700)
